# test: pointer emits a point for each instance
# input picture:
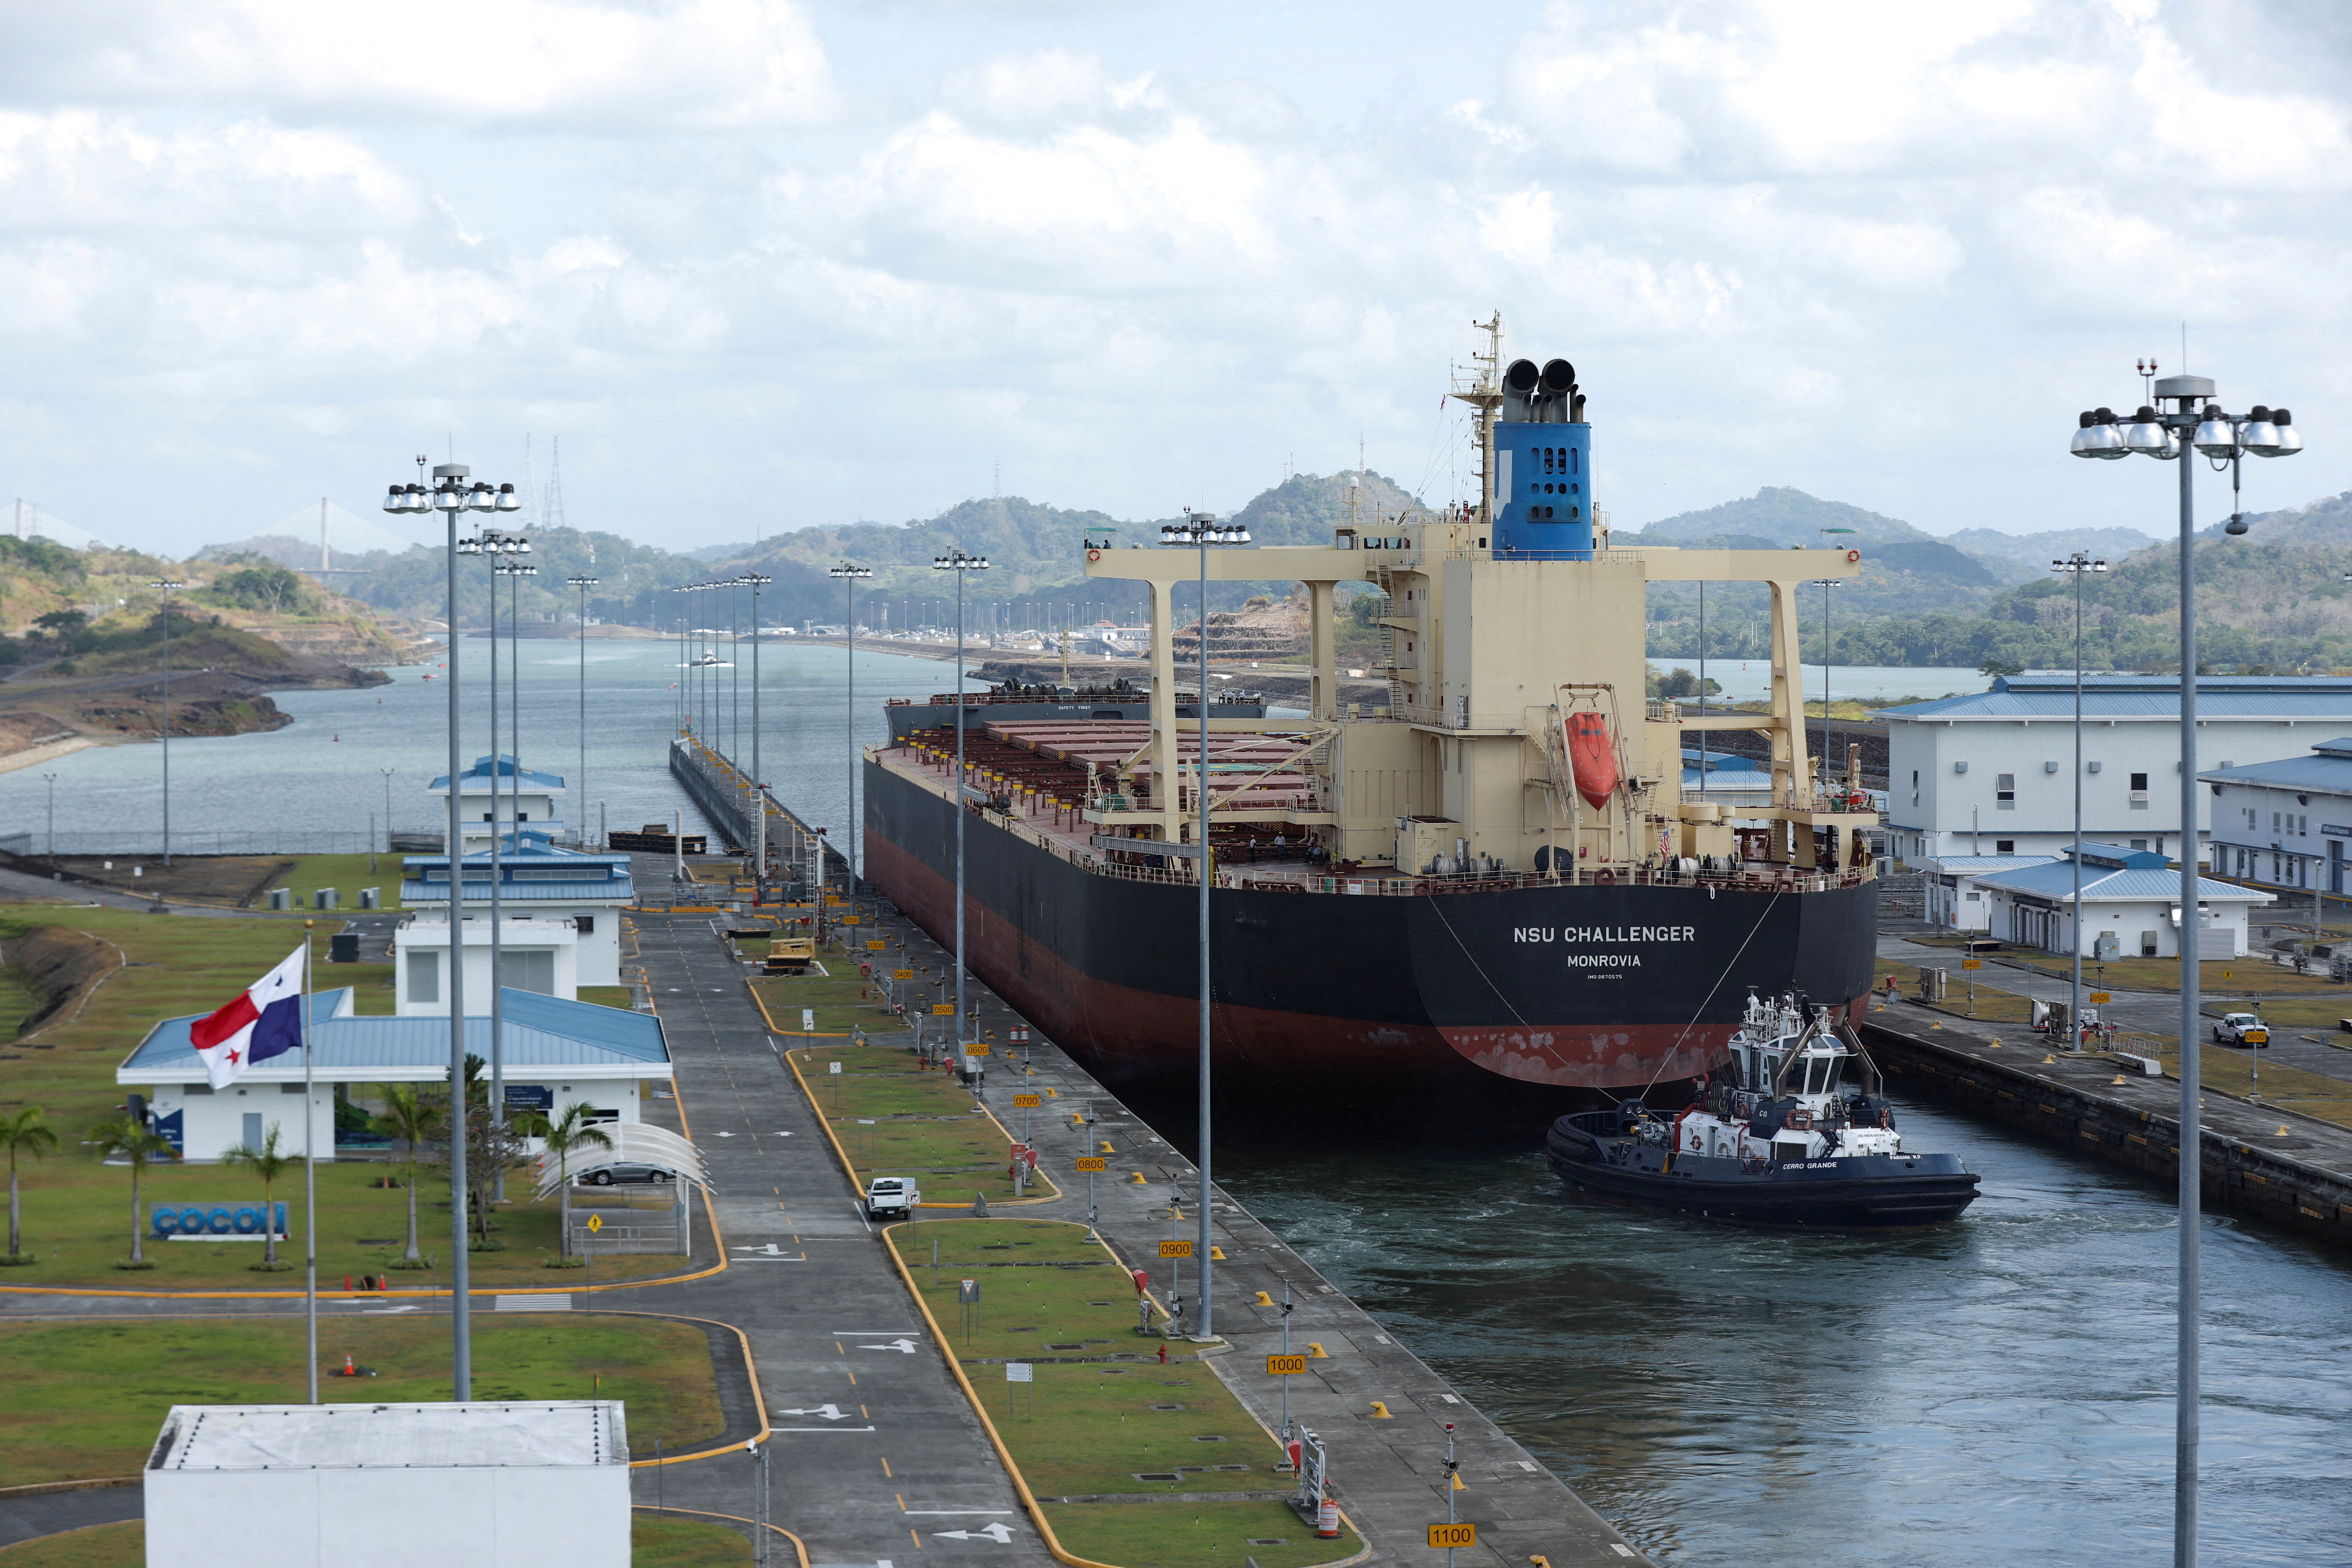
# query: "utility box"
(323, 899)
(343, 947)
(1422, 839)
(511, 1484)
(1931, 984)
(281, 898)
(369, 901)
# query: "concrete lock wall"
(486, 1517)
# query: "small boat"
(708, 661)
(1795, 1131)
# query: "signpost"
(943, 1009)
(967, 1298)
(1972, 963)
(1090, 1164)
(1026, 1102)
(1454, 1532)
(1015, 1373)
(1285, 1365)
(902, 974)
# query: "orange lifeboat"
(1593, 758)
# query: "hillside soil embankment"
(220, 681)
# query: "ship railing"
(1457, 718)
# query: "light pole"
(513, 571)
(166, 587)
(387, 773)
(849, 573)
(962, 565)
(755, 581)
(450, 496)
(1199, 530)
(580, 585)
(51, 780)
(2075, 566)
(2193, 420)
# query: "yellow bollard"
(1316, 1352)
(1263, 1301)
(1379, 1411)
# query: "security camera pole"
(2193, 423)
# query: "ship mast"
(1485, 395)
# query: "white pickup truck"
(2240, 1029)
(891, 1197)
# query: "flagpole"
(309, 1178)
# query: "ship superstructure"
(1492, 883)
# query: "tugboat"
(1779, 1137)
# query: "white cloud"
(1785, 242)
(674, 62)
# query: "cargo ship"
(1487, 904)
(1025, 701)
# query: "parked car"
(891, 1197)
(615, 1171)
(2242, 1029)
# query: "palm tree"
(412, 1120)
(564, 1134)
(22, 1133)
(269, 1164)
(136, 1142)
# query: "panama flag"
(264, 1021)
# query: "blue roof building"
(1993, 772)
(2285, 824)
(554, 1052)
(2131, 903)
(502, 785)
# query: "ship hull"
(1500, 1006)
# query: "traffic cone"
(349, 1370)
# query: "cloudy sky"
(763, 263)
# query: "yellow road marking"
(885, 1466)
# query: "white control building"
(1992, 773)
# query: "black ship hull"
(1499, 1007)
(1876, 1192)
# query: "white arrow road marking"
(377, 1312)
(783, 1134)
(830, 1413)
(996, 1532)
(906, 1345)
(935, 1513)
(722, 1135)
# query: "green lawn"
(653, 1543)
(1098, 1426)
(120, 1545)
(841, 1001)
(347, 874)
(2215, 976)
(77, 1222)
(922, 1122)
(619, 996)
(86, 1399)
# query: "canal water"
(1996, 1392)
(317, 786)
